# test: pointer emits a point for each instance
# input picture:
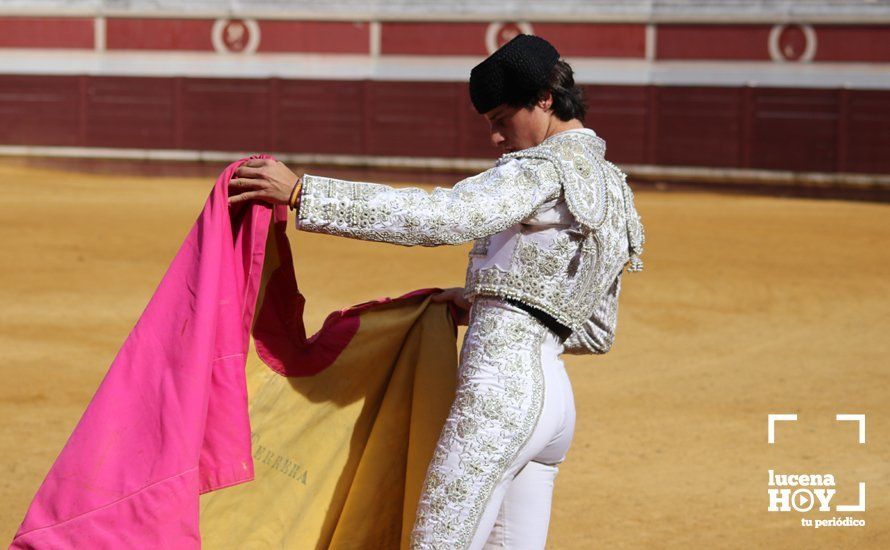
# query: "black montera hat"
(514, 73)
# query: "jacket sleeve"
(598, 332)
(476, 207)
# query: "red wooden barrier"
(813, 130)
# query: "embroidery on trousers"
(487, 426)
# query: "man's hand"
(262, 179)
(456, 297)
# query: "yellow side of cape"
(340, 457)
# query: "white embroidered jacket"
(554, 226)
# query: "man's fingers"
(239, 184)
(256, 163)
(249, 172)
(245, 197)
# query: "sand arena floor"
(748, 306)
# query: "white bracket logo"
(855, 418)
(771, 424)
(802, 500)
(854, 507)
(773, 418)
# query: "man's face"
(516, 128)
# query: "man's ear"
(546, 101)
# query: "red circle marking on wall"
(507, 33)
(499, 33)
(235, 35)
(792, 43)
(795, 43)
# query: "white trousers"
(490, 481)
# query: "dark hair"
(568, 99)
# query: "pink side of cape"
(169, 420)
